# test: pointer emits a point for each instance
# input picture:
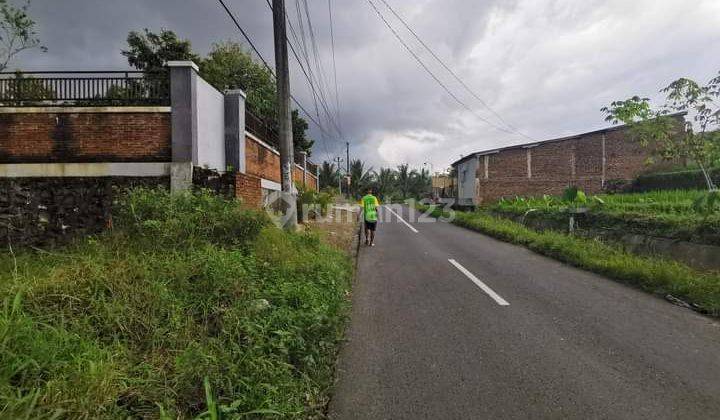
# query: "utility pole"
(282, 77)
(339, 160)
(347, 163)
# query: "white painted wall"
(466, 172)
(209, 151)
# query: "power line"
(332, 44)
(320, 74)
(309, 77)
(252, 45)
(437, 80)
(439, 60)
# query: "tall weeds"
(188, 293)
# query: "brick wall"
(247, 188)
(85, 137)
(557, 164)
(264, 162)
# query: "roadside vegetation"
(657, 275)
(389, 184)
(191, 306)
(678, 214)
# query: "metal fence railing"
(265, 131)
(83, 88)
(261, 128)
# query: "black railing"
(261, 128)
(83, 88)
(265, 130)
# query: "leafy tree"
(148, 51)
(301, 141)
(17, 32)
(230, 66)
(227, 66)
(657, 130)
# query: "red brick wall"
(265, 163)
(85, 137)
(247, 188)
(557, 165)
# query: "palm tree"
(328, 175)
(385, 183)
(403, 179)
(360, 178)
(420, 184)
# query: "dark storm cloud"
(546, 65)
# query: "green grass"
(668, 214)
(652, 274)
(672, 202)
(186, 289)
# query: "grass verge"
(670, 214)
(190, 307)
(652, 274)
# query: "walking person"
(369, 205)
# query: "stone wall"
(220, 183)
(48, 211)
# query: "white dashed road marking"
(402, 220)
(500, 301)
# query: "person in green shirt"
(369, 205)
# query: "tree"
(403, 179)
(230, 66)
(657, 130)
(420, 183)
(385, 181)
(148, 51)
(17, 32)
(227, 66)
(328, 175)
(360, 177)
(301, 141)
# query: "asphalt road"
(426, 341)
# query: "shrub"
(183, 219)
(189, 296)
(678, 180)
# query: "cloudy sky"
(545, 66)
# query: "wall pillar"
(529, 163)
(184, 123)
(235, 130)
(317, 178)
(183, 94)
(303, 155)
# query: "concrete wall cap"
(236, 92)
(183, 64)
